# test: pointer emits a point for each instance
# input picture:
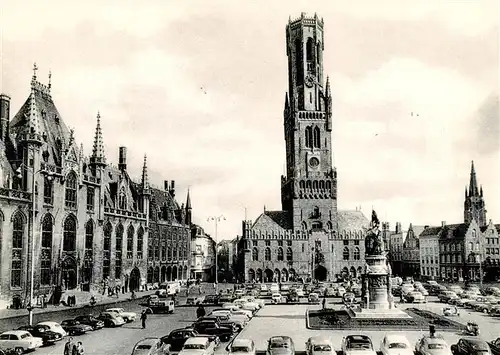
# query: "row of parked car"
(487, 302)
(31, 337)
(206, 333)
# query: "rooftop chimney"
(398, 227)
(443, 223)
(165, 185)
(172, 188)
(122, 159)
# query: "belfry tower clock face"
(311, 181)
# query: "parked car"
(111, 319)
(495, 346)
(471, 346)
(280, 345)
(193, 300)
(198, 346)
(91, 320)
(414, 297)
(276, 298)
(176, 338)
(211, 327)
(435, 345)
(211, 299)
(74, 327)
(395, 344)
(42, 331)
(313, 298)
(150, 346)
(242, 347)
(20, 340)
(357, 345)
(319, 346)
(127, 316)
(55, 327)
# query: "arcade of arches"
(167, 273)
(285, 275)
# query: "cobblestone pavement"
(290, 320)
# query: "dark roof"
(431, 231)
(281, 218)
(483, 228)
(454, 231)
(51, 125)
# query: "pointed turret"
(98, 157)
(481, 191)
(466, 195)
(33, 122)
(473, 190)
(145, 179)
(188, 201)
(328, 105)
(287, 103)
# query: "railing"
(91, 179)
(49, 168)
(15, 194)
(125, 213)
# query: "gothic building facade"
(309, 237)
(77, 222)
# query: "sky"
(199, 87)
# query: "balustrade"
(15, 194)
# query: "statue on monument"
(374, 244)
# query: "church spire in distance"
(473, 190)
(98, 156)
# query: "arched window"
(304, 226)
(317, 137)
(46, 257)
(471, 246)
(169, 252)
(89, 235)
(130, 242)
(302, 184)
(267, 255)
(315, 185)
(329, 225)
(289, 254)
(318, 53)
(345, 254)
(309, 137)
(298, 62)
(118, 251)
(17, 249)
(310, 49)
(48, 194)
(328, 185)
(280, 254)
(108, 230)
(357, 254)
(140, 241)
(71, 189)
(255, 254)
(122, 199)
(69, 232)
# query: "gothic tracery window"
(118, 251)
(46, 257)
(130, 242)
(255, 254)
(309, 137)
(69, 234)
(280, 254)
(267, 254)
(17, 249)
(71, 190)
(345, 254)
(289, 254)
(140, 241)
(357, 254)
(108, 229)
(317, 137)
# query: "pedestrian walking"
(200, 312)
(78, 349)
(144, 317)
(68, 347)
(324, 302)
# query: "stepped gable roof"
(457, 231)
(352, 220)
(51, 125)
(281, 218)
(430, 231)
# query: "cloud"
(488, 126)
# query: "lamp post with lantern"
(216, 220)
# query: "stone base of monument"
(377, 313)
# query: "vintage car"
(471, 346)
(242, 347)
(111, 319)
(191, 300)
(313, 298)
(42, 331)
(150, 346)
(177, 337)
(450, 311)
(357, 345)
(74, 327)
(198, 346)
(90, 320)
(319, 346)
(414, 297)
(20, 340)
(277, 298)
(435, 345)
(127, 316)
(280, 345)
(55, 327)
(393, 344)
(495, 346)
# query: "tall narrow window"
(267, 254)
(140, 241)
(71, 189)
(309, 137)
(130, 242)
(317, 137)
(255, 254)
(298, 62)
(357, 254)
(90, 198)
(46, 257)
(280, 254)
(345, 254)
(118, 252)
(69, 234)
(48, 193)
(89, 235)
(108, 230)
(289, 254)
(17, 249)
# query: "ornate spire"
(465, 191)
(328, 91)
(98, 156)
(50, 80)
(287, 102)
(33, 121)
(473, 190)
(481, 191)
(145, 180)
(35, 69)
(188, 201)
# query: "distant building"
(411, 252)
(308, 238)
(202, 255)
(396, 242)
(429, 252)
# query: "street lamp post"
(32, 234)
(216, 220)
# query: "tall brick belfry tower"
(309, 191)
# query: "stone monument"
(376, 294)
